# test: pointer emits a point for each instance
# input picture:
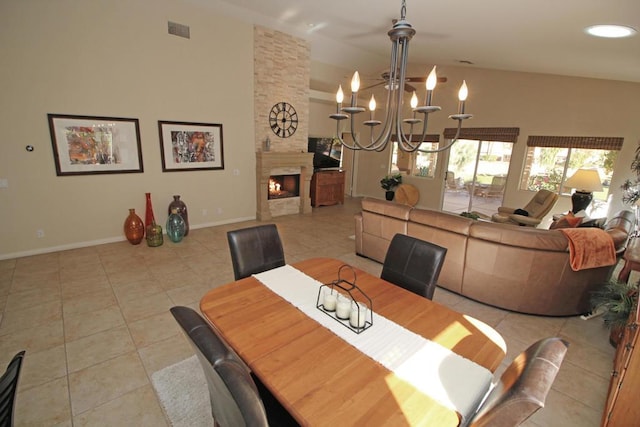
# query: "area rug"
(182, 390)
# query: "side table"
(631, 259)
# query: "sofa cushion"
(443, 220)
(524, 237)
(383, 207)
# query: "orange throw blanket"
(589, 248)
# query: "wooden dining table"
(320, 378)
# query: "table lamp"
(585, 182)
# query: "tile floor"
(95, 324)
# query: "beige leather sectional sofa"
(516, 268)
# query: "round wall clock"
(283, 119)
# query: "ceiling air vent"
(179, 30)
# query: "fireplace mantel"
(266, 161)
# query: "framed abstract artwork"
(86, 145)
(190, 146)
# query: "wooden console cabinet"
(327, 187)
(622, 407)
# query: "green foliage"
(549, 182)
(630, 187)
(390, 182)
(470, 215)
(618, 299)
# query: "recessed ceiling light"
(610, 31)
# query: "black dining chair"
(236, 399)
(523, 387)
(8, 389)
(255, 249)
(413, 264)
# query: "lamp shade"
(585, 180)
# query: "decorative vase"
(149, 219)
(133, 228)
(176, 227)
(389, 195)
(154, 235)
(181, 209)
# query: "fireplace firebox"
(283, 186)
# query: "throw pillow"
(566, 221)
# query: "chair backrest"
(413, 264)
(202, 337)
(8, 389)
(541, 203)
(524, 386)
(235, 400)
(239, 384)
(255, 249)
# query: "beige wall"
(536, 103)
(116, 59)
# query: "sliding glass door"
(476, 176)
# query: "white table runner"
(448, 378)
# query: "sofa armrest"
(506, 210)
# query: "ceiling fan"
(384, 80)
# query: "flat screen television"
(327, 152)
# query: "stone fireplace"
(290, 167)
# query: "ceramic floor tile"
(89, 302)
(140, 309)
(42, 314)
(188, 294)
(34, 339)
(98, 348)
(165, 353)
(81, 325)
(121, 278)
(137, 290)
(139, 407)
(153, 329)
(530, 328)
(101, 291)
(44, 405)
(79, 286)
(29, 298)
(41, 367)
(44, 282)
(489, 315)
(562, 410)
(99, 384)
(592, 332)
(595, 359)
(582, 385)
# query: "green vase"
(176, 226)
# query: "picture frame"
(88, 145)
(187, 146)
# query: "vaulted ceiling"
(525, 35)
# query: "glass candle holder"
(358, 315)
(343, 307)
(329, 299)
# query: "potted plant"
(389, 183)
(617, 300)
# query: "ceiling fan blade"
(372, 86)
(424, 79)
(409, 88)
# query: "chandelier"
(400, 35)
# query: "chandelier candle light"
(400, 35)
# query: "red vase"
(133, 228)
(149, 219)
